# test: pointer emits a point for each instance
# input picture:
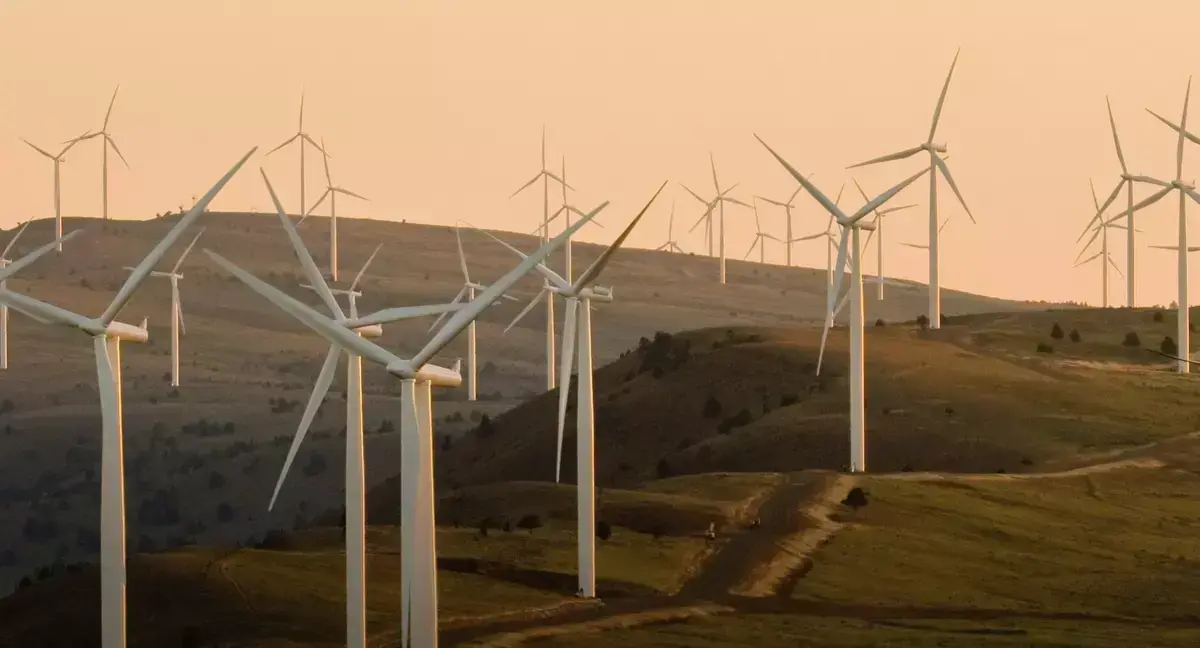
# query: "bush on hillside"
(923, 321)
(603, 530)
(743, 417)
(856, 498)
(1042, 347)
(1132, 340)
(1158, 316)
(1074, 335)
(530, 522)
(1168, 346)
(712, 408)
(1056, 332)
(663, 469)
(880, 322)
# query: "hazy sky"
(434, 110)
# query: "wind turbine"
(545, 175)
(331, 192)
(468, 292)
(107, 334)
(831, 242)
(719, 204)
(419, 592)
(579, 296)
(671, 245)
(355, 491)
(302, 137)
(566, 211)
(709, 207)
(759, 238)
(4, 263)
(1126, 183)
(107, 141)
(787, 206)
(176, 309)
(1101, 228)
(58, 160)
(851, 225)
(937, 164)
(1185, 191)
(879, 214)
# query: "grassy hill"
(973, 396)
(247, 369)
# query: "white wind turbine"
(468, 292)
(1101, 228)
(106, 141)
(4, 263)
(419, 592)
(671, 244)
(546, 175)
(759, 238)
(878, 233)
(849, 243)
(1185, 191)
(303, 138)
(830, 240)
(107, 334)
(331, 192)
(58, 160)
(717, 203)
(355, 491)
(787, 206)
(1126, 183)
(566, 210)
(579, 296)
(937, 164)
(176, 309)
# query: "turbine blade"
(808, 186)
(347, 192)
(108, 113)
(187, 249)
(527, 185)
(839, 270)
(462, 318)
(114, 145)
(147, 265)
(941, 165)
(548, 274)
(550, 174)
(525, 311)
(564, 385)
(1100, 208)
(315, 400)
(1114, 266)
(306, 261)
(320, 148)
(41, 311)
(594, 270)
(462, 258)
(937, 112)
(1116, 140)
(285, 143)
(182, 326)
(332, 331)
(752, 246)
(358, 277)
(1175, 127)
(20, 264)
(13, 240)
(457, 298)
(325, 161)
(1150, 200)
(37, 148)
(907, 153)
(320, 201)
(694, 194)
(884, 197)
(811, 237)
(396, 314)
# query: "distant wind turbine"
(879, 214)
(106, 141)
(760, 238)
(176, 308)
(331, 192)
(303, 138)
(58, 160)
(787, 207)
(719, 204)
(1126, 182)
(565, 211)
(937, 164)
(4, 263)
(671, 245)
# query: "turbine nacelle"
(936, 148)
(430, 373)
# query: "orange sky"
(434, 110)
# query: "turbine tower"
(107, 334)
(759, 238)
(1126, 183)
(1100, 231)
(355, 490)
(331, 192)
(566, 210)
(719, 204)
(579, 296)
(106, 141)
(546, 175)
(710, 207)
(671, 245)
(4, 263)
(849, 243)
(303, 138)
(937, 164)
(58, 160)
(176, 309)
(830, 240)
(419, 593)
(1186, 191)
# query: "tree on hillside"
(1158, 316)
(1168, 346)
(1074, 335)
(923, 321)
(855, 499)
(603, 530)
(1132, 340)
(663, 469)
(1056, 332)
(530, 522)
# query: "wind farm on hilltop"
(447, 415)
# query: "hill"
(972, 396)
(201, 461)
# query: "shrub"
(923, 321)
(1042, 347)
(529, 522)
(856, 498)
(1168, 346)
(663, 469)
(880, 322)
(1158, 316)
(787, 400)
(1056, 332)
(603, 530)
(1132, 340)
(1074, 335)
(712, 408)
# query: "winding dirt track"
(756, 571)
